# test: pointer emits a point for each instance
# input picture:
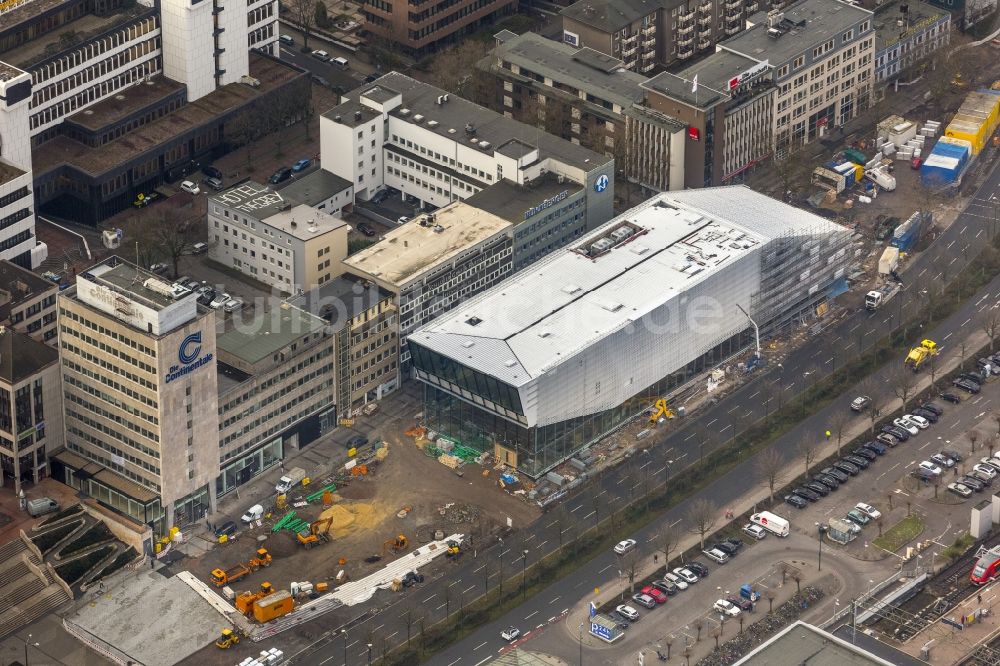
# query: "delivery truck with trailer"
(771, 522)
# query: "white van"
(340, 62)
(256, 512)
(199, 248)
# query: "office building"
(550, 360)
(906, 33)
(27, 302)
(286, 245)
(17, 207)
(31, 418)
(726, 102)
(823, 56)
(436, 262)
(966, 14)
(589, 98)
(363, 319)
(322, 190)
(275, 391)
(439, 148)
(643, 34)
(112, 98)
(418, 28)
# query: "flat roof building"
(550, 360)
(907, 32)
(27, 302)
(801, 642)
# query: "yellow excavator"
(660, 410)
(228, 639)
(919, 355)
(399, 544)
(317, 532)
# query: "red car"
(658, 595)
(916, 162)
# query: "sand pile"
(348, 518)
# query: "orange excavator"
(317, 533)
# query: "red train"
(987, 566)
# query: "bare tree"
(630, 569)
(889, 498)
(838, 423)
(771, 467)
(878, 522)
(770, 393)
(769, 595)
(167, 234)
(904, 385)
(996, 417)
(797, 577)
(716, 633)
(668, 641)
(871, 389)
(702, 517)
(962, 349)
(807, 450)
(973, 438)
(698, 624)
(989, 321)
(666, 542)
(243, 131)
(454, 70)
(303, 15)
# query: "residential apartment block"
(419, 26)
(435, 262)
(906, 33)
(286, 245)
(31, 409)
(27, 302)
(588, 98)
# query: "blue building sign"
(190, 357)
(601, 631)
(601, 184)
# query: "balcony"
(648, 66)
(733, 4)
(649, 43)
(705, 8)
(733, 29)
(629, 38)
(649, 31)
(704, 44)
(685, 19)
(686, 30)
(684, 53)
(705, 22)
(630, 51)
(705, 33)
(687, 40)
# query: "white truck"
(771, 522)
(877, 297)
(290, 480)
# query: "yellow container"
(971, 132)
(173, 531)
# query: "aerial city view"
(499, 332)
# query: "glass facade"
(248, 466)
(147, 513)
(491, 421)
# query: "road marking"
(451, 664)
(659, 470)
(483, 661)
(966, 322)
(963, 229)
(542, 544)
(675, 522)
(578, 506)
(466, 590)
(429, 598)
(950, 244)
(755, 393)
(353, 644)
(689, 437)
(589, 515)
(391, 635)
(530, 616)
(926, 444)
(605, 568)
(553, 601)
(946, 337)
(440, 607)
(480, 645)
(479, 569)
(979, 232)
(893, 467)
(922, 271)
(707, 425)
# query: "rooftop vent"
(468, 343)
(601, 245)
(470, 128)
(484, 144)
(438, 228)
(510, 363)
(336, 119)
(610, 306)
(357, 115)
(544, 334)
(418, 118)
(473, 321)
(571, 288)
(639, 249)
(451, 130)
(404, 112)
(444, 98)
(432, 123)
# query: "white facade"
(17, 213)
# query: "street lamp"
(369, 654)
(836, 603)
(581, 644)
(26, 644)
(500, 559)
(343, 632)
(524, 574)
(822, 531)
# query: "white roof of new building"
(564, 303)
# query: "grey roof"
(21, 356)
(18, 285)
(921, 17)
(314, 188)
(802, 643)
(340, 299)
(495, 129)
(714, 73)
(610, 15)
(877, 647)
(584, 69)
(278, 328)
(510, 201)
(823, 20)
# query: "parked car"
(628, 612)
(922, 474)
(966, 385)
(301, 165)
(357, 442)
(907, 426)
(917, 420)
(510, 634)
(887, 439)
(972, 377)
(280, 176)
(960, 489)
(666, 587)
(219, 301)
(897, 432)
(926, 414)
(805, 494)
(644, 600)
(287, 39)
(942, 460)
(975, 483)
(624, 547)
(206, 296)
(658, 596)
(734, 542)
(754, 531)
(931, 407)
(860, 403)
(796, 501)
(320, 55)
(868, 510)
(676, 580)
(983, 469)
(847, 468)
(726, 607)
(190, 188)
(159, 269)
(835, 473)
(687, 575)
(817, 488)
(699, 569)
(211, 172)
(367, 229)
(876, 447)
(380, 196)
(233, 304)
(991, 462)
(214, 183)
(227, 529)
(861, 463)
(951, 397)
(716, 555)
(953, 454)
(828, 481)
(857, 517)
(930, 467)
(865, 453)
(741, 603)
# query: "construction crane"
(317, 532)
(920, 354)
(398, 544)
(245, 600)
(661, 411)
(227, 639)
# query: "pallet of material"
(449, 461)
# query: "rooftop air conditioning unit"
(601, 245)
(418, 118)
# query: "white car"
(986, 470)
(190, 187)
(687, 575)
(626, 546)
(726, 608)
(219, 301)
(755, 531)
(628, 612)
(676, 580)
(233, 304)
(918, 421)
(320, 55)
(868, 510)
(931, 467)
(960, 489)
(510, 634)
(906, 425)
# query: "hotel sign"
(746, 76)
(548, 203)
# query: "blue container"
(907, 234)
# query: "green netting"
(465, 453)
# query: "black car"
(211, 172)
(972, 377)
(857, 461)
(867, 454)
(951, 397)
(207, 297)
(280, 176)
(356, 442)
(370, 78)
(725, 548)
(876, 447)
(796, 501)
(827, 481)
(227, 528)
(743, 604)
(623, 622)
(805, 493)
(367, 229)
(847, 468)
(735, 543)
(973, 482)
(925, 413)
(698, 568)
(817, 488)
(840, 475)
(966, 385)
(666, 587)
(931, 407)
(953, 454)
(896, 432)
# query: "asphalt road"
(348, 79)
(727, 419)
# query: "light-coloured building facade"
(27, 302)
(17, 205)
(906, 33)
(510, 372)
(284, 244)
(31, 418)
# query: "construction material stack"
(906, 235)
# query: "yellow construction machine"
(454, 550)
(245, 600)
(228, 639)
(660, 410)
(920, 354)
(317, 533)
(397, 545)
(259, 561)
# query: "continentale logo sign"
(190, 357)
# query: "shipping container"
(908, 233)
